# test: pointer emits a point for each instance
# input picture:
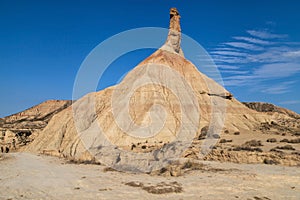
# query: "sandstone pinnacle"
(174, 37)
(141, 127)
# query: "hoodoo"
(158, 110)
(174, 36)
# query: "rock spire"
(174, 37)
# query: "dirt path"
(27, 176)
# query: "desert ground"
(29, 176)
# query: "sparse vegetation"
(276, 150)
(296, 153)
(253, 143)
(286, 147)
(265, 126)
(271, 162)
(160, 188)
(245, 148)
(86, 162)
(236, 133)
(284, 140)
(293, 141)
(133, 146)
(224, 141)
(271, 140)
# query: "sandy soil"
(28, 176)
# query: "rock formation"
(174, 84)
(174, 37)
(270, 108)
(23, 126)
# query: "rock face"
(195, 107)
(23, 126)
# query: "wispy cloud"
(229, 53)
(244, 45)
(264, 73)
(259, 57)
(227, 67)
(277, 70)
(266, 34)
(253, 40)
(292, 54)
(225, 49)
(281, 88)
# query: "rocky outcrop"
(267, 107)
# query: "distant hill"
(23, 126)
(268, 107)
(35, 117)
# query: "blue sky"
(255, 44)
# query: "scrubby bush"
(276, 150)
(253, 143)
(270, 162)
(295, 141)
(286, 147)
(272, 140)
(284, 140)
(245, 148)
(225, 141)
